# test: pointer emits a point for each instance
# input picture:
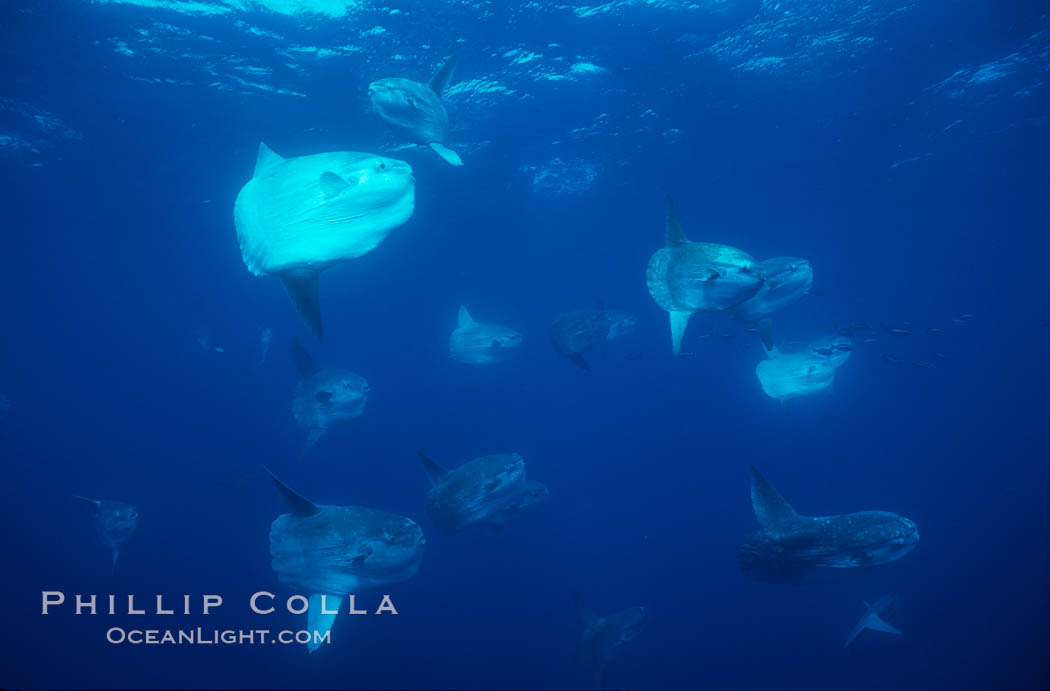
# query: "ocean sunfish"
(784, 376)
(337, 551)
(603, 636)
(687, 277)
(622, 323)
(790, 548)
(115, 522)
(325, 397)
(415, 111)
(298, 216)
(576, 333)
(874, 619)
(485, 491)
(479, 343)
(786, 281)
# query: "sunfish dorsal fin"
(584, 611)
(304, 362)
(300, 505)
(332, 185)
(434, 471)
(771, 510)
(266, 160)
(303, 290)
(321, 622)
(675, 234)
(679, 320)
(440, 79)
(94, 502)
(465, 322)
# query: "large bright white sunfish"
(115, 522)
(602, 637)
(785, 376)
(298, 216)
(337, 551)
(688, 277)
(325, 397)
(485, 491)
(415, 111)
(479, 343)
(786, 281)
(791, 548)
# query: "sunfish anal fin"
(434, 471)
(440, 79)
(300, 505)
(772, 511)
(319, 623)
(578, 360)
(679, 320)
(304, 362)
(303, 290)
(266, 160)
(765, 332)
(675, 234)
(446, 153)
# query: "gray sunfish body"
(415, 111)
(115, 522)
(688, 277)
(603, 636)
(791, 548)
(325, 397)
(576, 333)
(622, 324)
(298, 216)
(786, 281)
(479, 343)
(485, 491)
(874, 618)
(337, 551)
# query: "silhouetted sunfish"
(486, 491)
(603, 636)
(325, 397)
(115, 522)
(874, 618)
(791, 548)
(337, 551)
(479, 343)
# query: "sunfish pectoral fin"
(440, 79)
(875, 623)
(446, 153)
(464, 318)
(266, 160)
(765, 332)
(679, 320)
(771, 510)
(319, 619)
(332, 185)
(303, 290)
(675, 234)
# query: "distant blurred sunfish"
(478, 343)
(786, 280)
(415, 111)
(115, 522)
(873, 619)
(688, 277)
(325, 397)
(488, 490)
(790, 548)
(298, 216)
(335, 551)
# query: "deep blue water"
(901, 148)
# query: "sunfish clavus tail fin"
(303, 290)
(679, 320)
(446, 153)
(319, 621)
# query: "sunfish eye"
(382, 166)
